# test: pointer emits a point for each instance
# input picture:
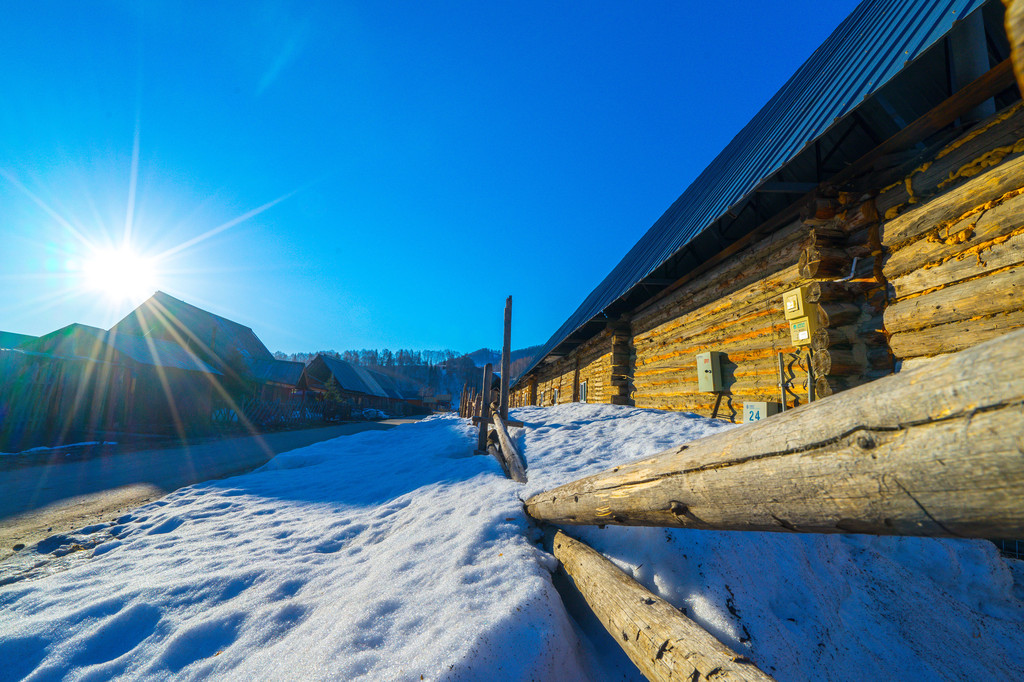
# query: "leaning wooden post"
(506, 359)
(933, 451)
(514, 464)
(662, 642)
(485, 408)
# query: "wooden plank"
(506, 359)
(996, 80)
(485, 407)
(662, 642)
(933, 451)
(988, 295)
(514, 463)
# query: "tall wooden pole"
(485, 407)
(506, 360)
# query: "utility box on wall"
(802, 316)
(794, 303)
(755, 412)
(709, 372)
(801, 330)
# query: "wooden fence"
(489, 410)
(293, 411)
(932, 451)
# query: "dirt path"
(38, 501)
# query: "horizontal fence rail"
(933, 451)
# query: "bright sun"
(120, 274)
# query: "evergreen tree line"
(424, 373)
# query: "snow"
(395, 554)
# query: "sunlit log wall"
(953, 243)
(939, 267)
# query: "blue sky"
(345, 175)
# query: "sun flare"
(120, 274)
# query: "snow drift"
(397, 554)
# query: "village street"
(58, 496)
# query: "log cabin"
(870, 217)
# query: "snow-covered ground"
(397, 554)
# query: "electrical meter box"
(709, 373)
(755, 412)
(794, 303)
(801, 330)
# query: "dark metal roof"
(387, 384)
(868, 49)
(284, 372)
(13, 340)
(356, 379)
(84, 341)
(216, 338)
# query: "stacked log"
(620, 383)
(599, 362)
(987, 144)
(734, 308)
(956, 263)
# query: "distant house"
(249, 368)
(81, 380)
(357, 386)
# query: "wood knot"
(678, 508)
(867, 443)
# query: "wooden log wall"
(593, 362)
(927, 265)
(736, 309)
(954, 251)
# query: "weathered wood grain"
(995, 293)
(514, 464)
(506, 359)
(662, 642)
(1014, 22)
(990, 140)
(485, 407)
(932, 451)
(986, 258)
(950, 207)
(953, 336)
(965, 237)
(823, 262)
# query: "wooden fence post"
(514, 464)
(485, 407)
(506, 360)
